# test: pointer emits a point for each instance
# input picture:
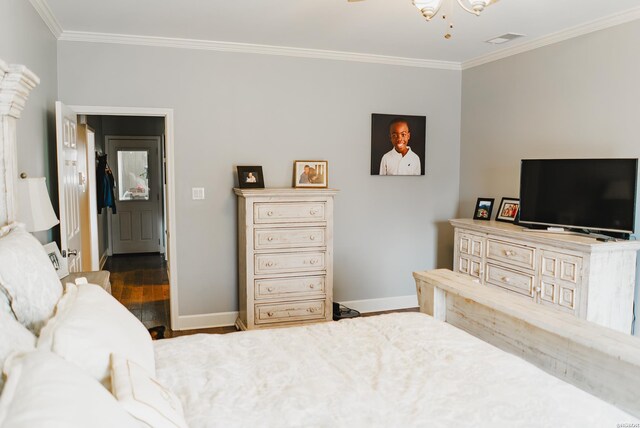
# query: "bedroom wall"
(577, 98)
(249, 109)
(25, 39)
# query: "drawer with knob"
(519, 282)
(288, 212)
(506, 252)
(284, 288)
(289, 262)
(290, 311)
(288, 238)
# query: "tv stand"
(570, 272)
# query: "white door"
(135, 162)
(71, 185)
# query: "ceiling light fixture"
(430, 8)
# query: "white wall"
(248, 109)
(25, 39)
(577, 98)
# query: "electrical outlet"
(197, 193)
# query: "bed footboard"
(598, 360)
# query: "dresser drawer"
(471, 245)
(266, 313)
(288, 212)
(519, 282)
(288, 238)
(289, 262)
(283, 288)
(559, 295)
(511, 253)
(561, 266)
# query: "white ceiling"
(375, 27)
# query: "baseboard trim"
(217, 319)
(103, 259)
(383, 304)
(224, 319)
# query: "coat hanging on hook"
(105, 185)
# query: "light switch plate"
(197, 193)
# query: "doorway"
(133, 218)
(128, 117)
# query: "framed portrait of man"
(398, 144)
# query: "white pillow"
(143, 396)
(90, 325)
(27, 279)
(43, 390)
(13, 337)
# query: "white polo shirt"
(393, 163)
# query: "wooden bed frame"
(598, 360)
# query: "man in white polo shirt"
(400, 160)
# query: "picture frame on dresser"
(250, 177)
(508, 210)
(310, 174)
(484, 207)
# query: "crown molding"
(43, 9)
(569, 33)
(167, 42)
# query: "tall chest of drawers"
(285, 257)
(578, 275)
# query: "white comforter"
(396, 370)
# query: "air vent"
(504, 38)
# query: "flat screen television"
(584, 194)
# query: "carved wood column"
(16, 82)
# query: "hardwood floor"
(140, 282)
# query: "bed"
(73, 356)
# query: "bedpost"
(432, 299)
(16, 82)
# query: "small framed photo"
(509, 210)
(310, 173)
(59, 263)
(484, 206)
(250, 177)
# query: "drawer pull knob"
(269, 314)
(538, 289)
(509, 253)
(270, 238)
(269, 264)
(270, 213)
(506, 279)
(313, 211)
(312, 237)
(312, 286)
(312, 310)
(269, 289)
(314, 261)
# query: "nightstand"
(100, 277)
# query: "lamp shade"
(35, 209)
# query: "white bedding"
(394, 370)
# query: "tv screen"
(592, 194)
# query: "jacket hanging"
(105, 185)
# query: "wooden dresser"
(285, 257)
(578, 275)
